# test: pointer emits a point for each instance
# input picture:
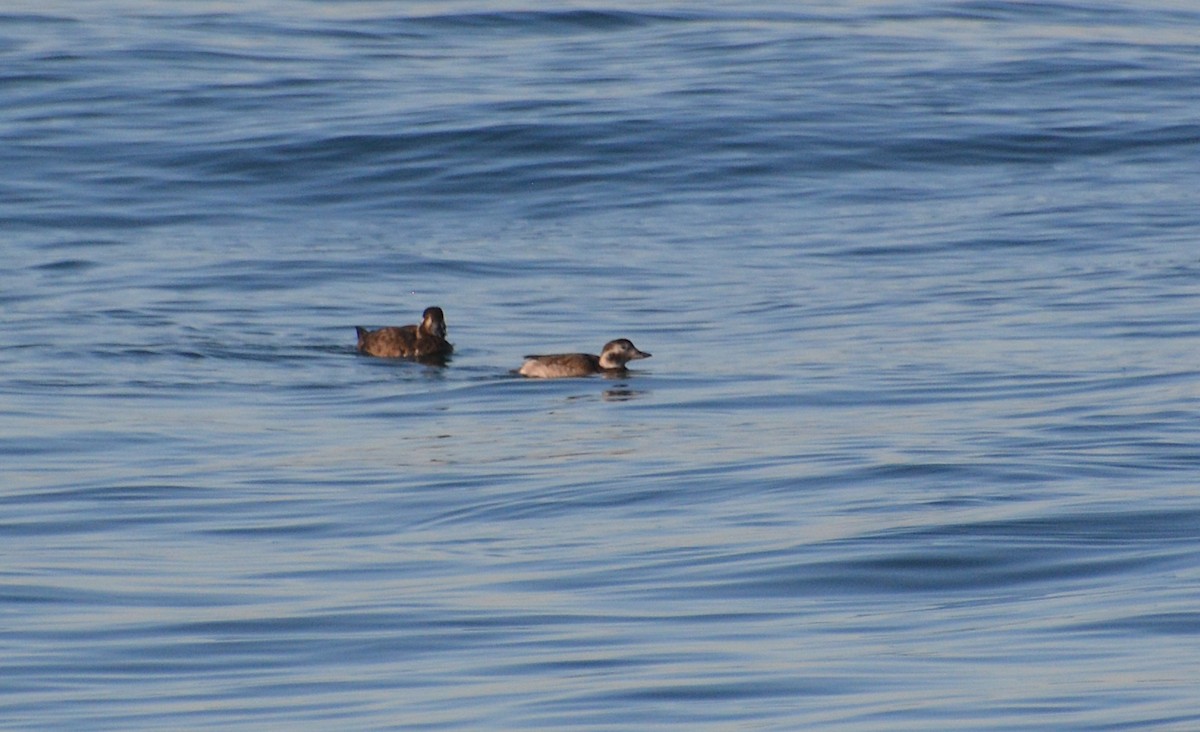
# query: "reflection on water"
(622, 394)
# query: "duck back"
(406, 341)
(560, 365)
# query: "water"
(917, 449)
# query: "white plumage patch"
(539, 370)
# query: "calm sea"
(918, 447)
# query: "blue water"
(918, 447)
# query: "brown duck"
(426, 341)
(611, 361)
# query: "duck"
(426, 341)
(611, 361)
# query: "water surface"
(917, 448)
